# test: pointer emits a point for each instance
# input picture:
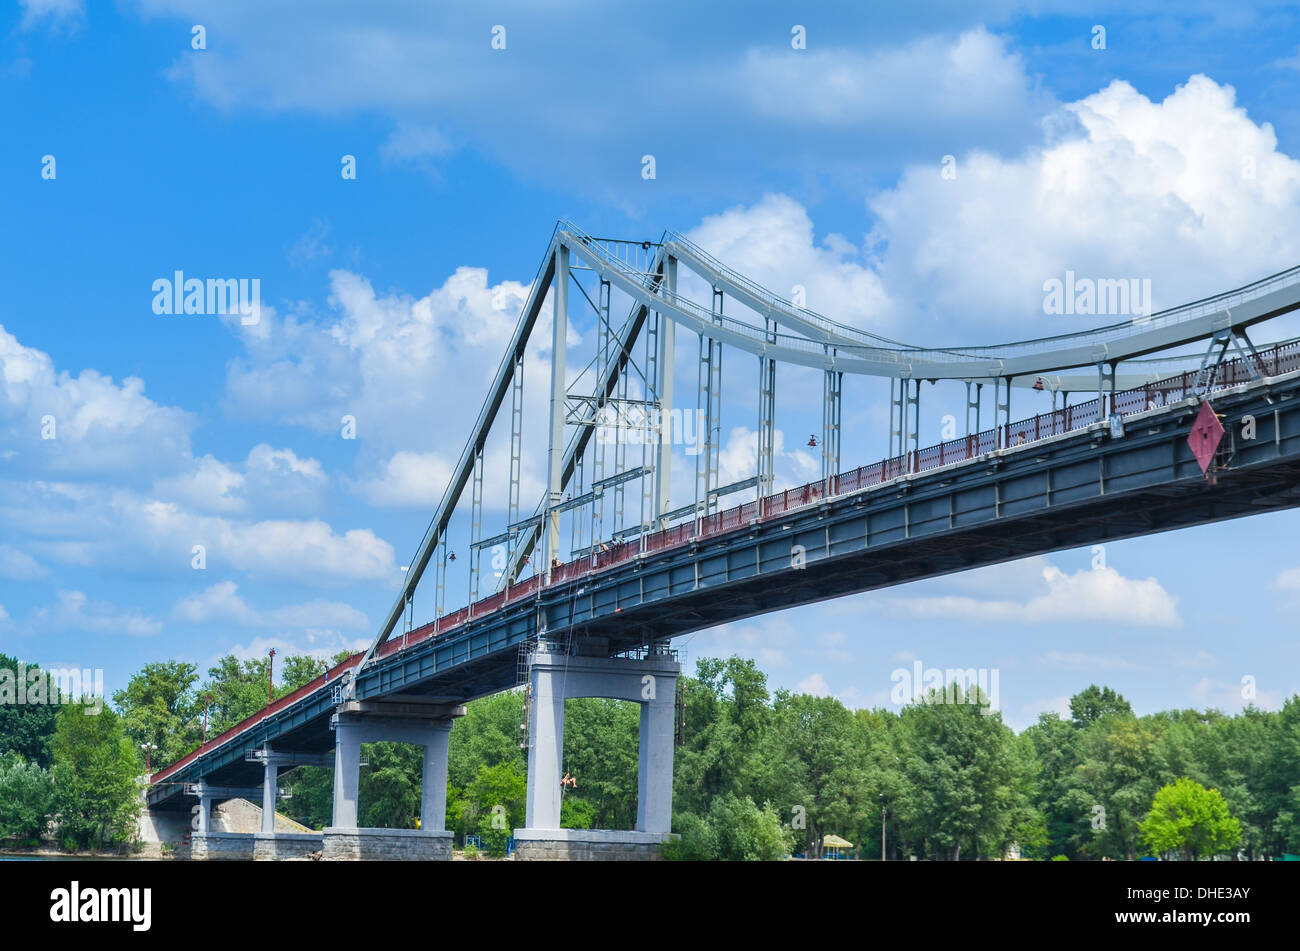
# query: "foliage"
(160, 706)
(26, 728)
(1189, 819)
(945, 779)
(26, 799)
(95, 770)
(389, 793)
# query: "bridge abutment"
(650, 682)
(421, 724)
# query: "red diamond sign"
(1206, 434)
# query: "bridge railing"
(334, 674)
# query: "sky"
(145, 137)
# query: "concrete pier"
(650, 682)
(421, 724)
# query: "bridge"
(592, 584)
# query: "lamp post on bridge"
(207, 700)
(270, 679)
(148, 758)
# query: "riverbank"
(50, 853)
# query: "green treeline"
(759, 774)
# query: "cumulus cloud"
(773, 241)
(53, 422)
(100, 526)
(1116, 186)
(396, 365)
(222, 603)
(269, 479)
(1101, 594)
(1123, 187)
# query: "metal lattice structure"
(640, 569)
(610, 498)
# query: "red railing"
(1275, 361)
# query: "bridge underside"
(1082, 488)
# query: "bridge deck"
(967, 502)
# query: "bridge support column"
(421, 724)
(207, 844)
(270, 791)
(651, 682)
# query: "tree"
(1112, 787)
(26, 728)
(1189, 819)
(389, 794)
(26, 799)
(1096, 702)
(961, 777)
(298, 670)
(160, 706)
(745, 832)
(1054, 754)
(95, 770)
(734, 830)
(238, 690)
(488, 734)
(814, 761)
(600, 751)
(726, 717)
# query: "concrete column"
(270, 792)
(433, 806)
(546, 729)
(654, 807)
(205, 815)
(347, 772)
(652, 683)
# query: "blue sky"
(390, 297)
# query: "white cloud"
(87, 425)
(1101, 594)
(73, 612)
(814, 684)
(738, 460)
(102, 526)
(915, 87)
(320, 644)
(773, 241)
(971, 78)
(17, 565)
(1288, 580)
(60, 13)
(221, 602)
(1125, 187)
(395, 364)
(1229, 697)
